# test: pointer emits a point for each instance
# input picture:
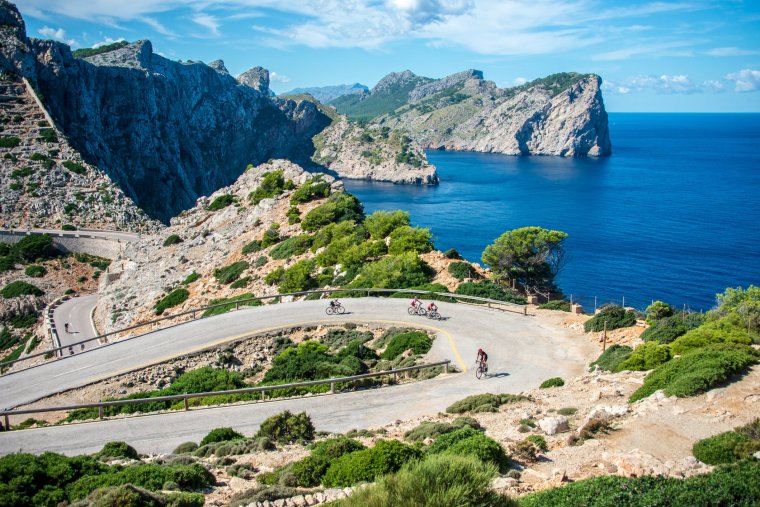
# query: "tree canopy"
(530, 257)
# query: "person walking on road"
(66, 326)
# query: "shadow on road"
(497, 375)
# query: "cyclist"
(482, 358)
(334, 303)
(432, 307)
(416, 303)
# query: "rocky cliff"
(562, 114)
(165, 131)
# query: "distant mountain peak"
(325, 94)
(395, 79)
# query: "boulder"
(554, 424)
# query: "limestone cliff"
(165, 131)
(562, 114)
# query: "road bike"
(417, 310)
(482, 369)
(433, 314)
(335, 309)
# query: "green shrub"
(271, 236)
(20, 288)
(7, 263)
(433, 430)
(85, 52)
(229, 274)
(665, 330)
(658, 310)
(394, 271)
(294, 216)
(296, 245)
(38, 157)
(185, 447)
(221, 202)
(381, 224)
(734, 485)
(418, 342)
(484, 403)
(365, 466)
(433, 482)
(74, 167)
(172, 239)
(191, 278)
(174, 298)
(567, 411)
(613, 357)
(313, 188)
(339, 208)
(539, 441)
(287, 428)
(310, 470)
(22, 172)
(272, 184)
(452, 253)
(241, 282)
(410, 239)
(35, 271)
(311, 361)
(719, 449)
(490, 290)
(461, 270)
(35, 246)
(297, 278)
(262, 494)
(68, 227)
(557, 304)
(223, 434)
(9, 141)
(23, 320)
(230, 303)
(615, 316)
(275, 277)
(646, 356)
(117, 450)
(16, 185)
(697, 371)
(471, 442)
(728, 330)
(552, 382)
(253, 246)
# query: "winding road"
(523, 351)
(77, 313)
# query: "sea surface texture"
(673, 214)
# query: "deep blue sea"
(673, 214)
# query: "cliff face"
(562, 114)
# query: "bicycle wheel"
(340, 309)
(411, 310)
(329, 310)
(479, 371)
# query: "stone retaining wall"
(81, 242)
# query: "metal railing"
(500, 305)
(248, 390)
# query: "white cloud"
(208, 21)
(519, 81)
(278, 78)
(746, 80)
(157, 26)
(107, 40)
(730, 51)
(57, 34)
(662, 84)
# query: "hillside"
(325, 94)
(562, 114)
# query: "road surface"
(523, 352)
(77, 312)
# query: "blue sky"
(653, 56)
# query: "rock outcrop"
(562, 114)
(167, 132)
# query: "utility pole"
(604, 342)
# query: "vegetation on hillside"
(105, 48)
(367, 106)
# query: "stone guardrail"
(248, 390)
(77, 234)
(500, 305)
(51, 322)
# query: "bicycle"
(482, 369)
(417, 310)
(335, 309)
(433, 314)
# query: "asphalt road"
(523, 351)
(77, 312)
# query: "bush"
(230, 303)
(223, 434)
(19, 288)
(7, 263)
(394, 271)
(613, 357)
(221, 202)
(174, 298)
(665, 330)
(557, 304)
(271, 236)
(9, 141)
(615, 316)
(74, 167)
(658, 310)
(275, 276)
(296, 245)
(484, 403)
(191, 278)
(241, 282)
(68, 227)
(490, 290)
(253, 246)
(184, 448)
(229, 274)
(35, 246)
(452, 253)
(539, 441)
(418, 342)
(262, 494)
(117, 450)
(410, 239)
(697, 371)
(287, 428)
(646, 356)
(273, 183)
(734, 485)
(729, 330)
(297, 278)
(310, 470)
(172, 239)
(471, 442)
(730, 446)
(436, 481)
(552, 382)
(35, 271)
(339, 208)
(433, 430)
(313, 188)
(294, 216)
(365, 466)
(381, 224)
(461, 270)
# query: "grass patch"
(20, 288)
(191, 278)
(229, 274)
(174, 298)
(416, 341)
(172, 239)
(230, 303)
(484, 403)
(552, 382)
(221, 202)
(9, 141)
(613, 357)
(74, 167)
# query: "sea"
(672, 215)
